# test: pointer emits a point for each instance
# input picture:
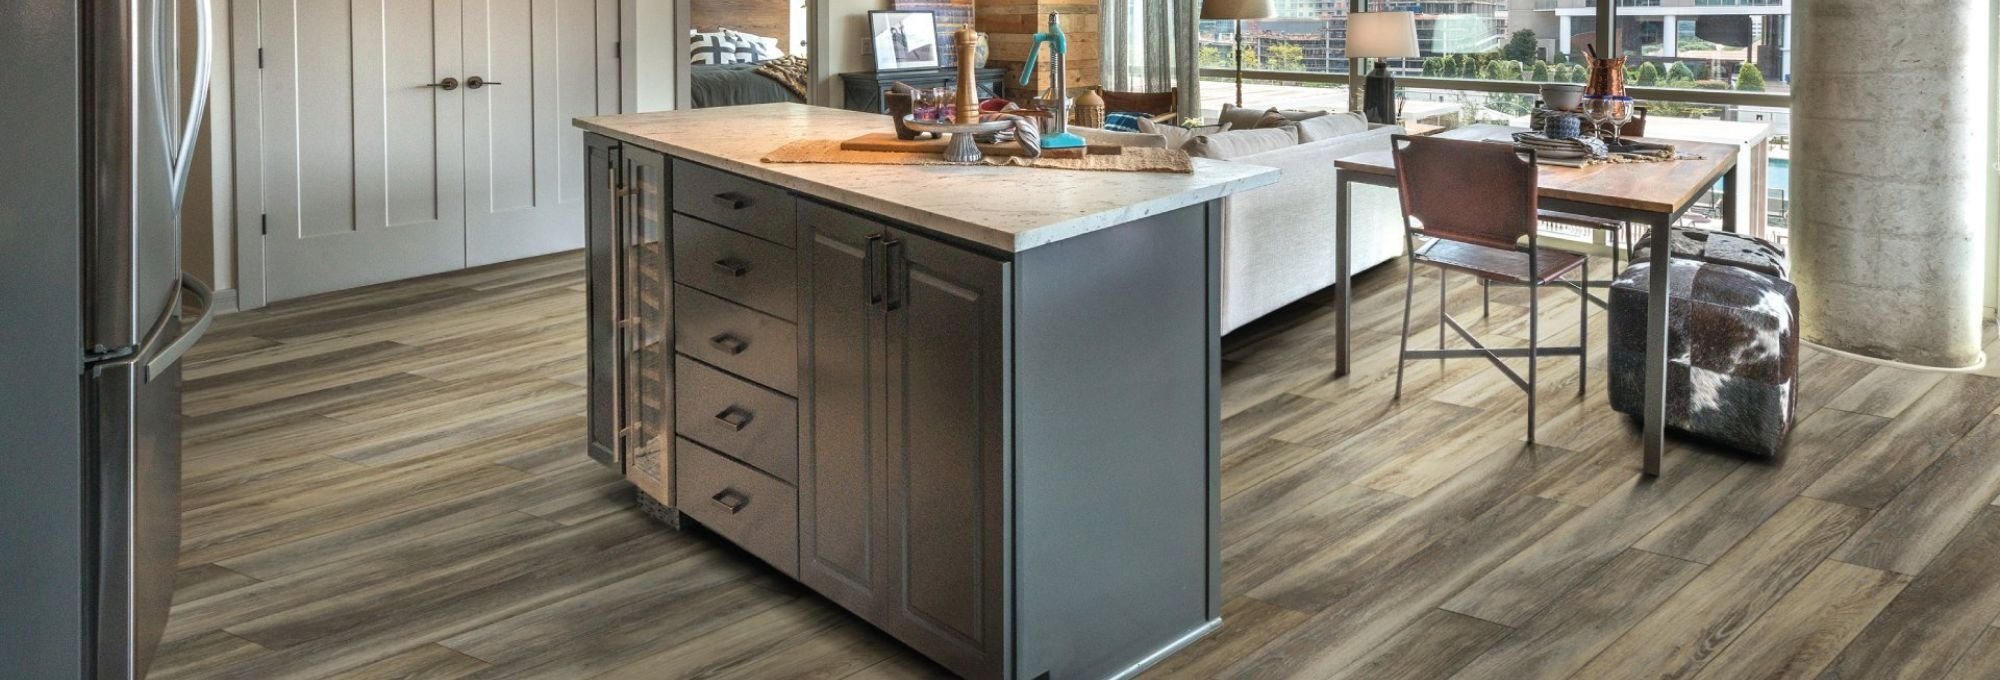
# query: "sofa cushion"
(1135, 140)
(1177, 137)
(1321, 128)
(1239, 143)
(1244, 118)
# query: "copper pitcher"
(1607, 75)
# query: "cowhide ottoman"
(1754, 254)
(1732, 350)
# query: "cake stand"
(962, 148)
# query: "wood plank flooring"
(390, 483)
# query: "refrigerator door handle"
(204, 11)
(173, 352)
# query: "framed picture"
(951, 16)
(903, 40)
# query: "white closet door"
(523, 158)
(364, 177)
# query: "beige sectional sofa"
(1278, 241)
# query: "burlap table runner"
(1132, 160)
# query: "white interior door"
(363, 165)
(523, 167)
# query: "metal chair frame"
(1531, 279)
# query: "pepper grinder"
(968, 88)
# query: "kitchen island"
(976, 406)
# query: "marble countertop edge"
(1019, 227)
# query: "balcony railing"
(1690, 96)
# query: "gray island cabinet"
(977, 407)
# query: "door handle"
(729, 344)
(448, 84)
(735, 417)
(733, 267)
(191, 126)
(477, 82)
(731, 201)
(899, 274)
(732, 500)
(173, 352)
(871, 264)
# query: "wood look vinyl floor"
(390, 483)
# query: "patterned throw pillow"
(761, 48)
(717, 48)
(1124, 122)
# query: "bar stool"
(1477, 202)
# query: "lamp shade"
(1382, 35)
(1236, 9)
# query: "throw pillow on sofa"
(1177, 137)
(1244, 118)
(1240, 143)
(1326, 127)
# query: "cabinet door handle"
(729, 344)
(731, 201)
(736, 418)
(872, 263)
(732, 500)
(899, 274)
(733, 267)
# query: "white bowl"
(1562, 97)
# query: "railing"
(1690, 96)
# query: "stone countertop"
(1011, 209)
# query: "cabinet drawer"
(737, 339)
(750, 508)
(749, 271)
(740, 203)
(725, 413)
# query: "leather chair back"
(1471, 191)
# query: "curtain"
(1151, 46)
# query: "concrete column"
(1670, 42)
(1562, 35)
(1889, 119)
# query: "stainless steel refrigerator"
(102, 124)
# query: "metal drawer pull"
(731, 201)
(736, 418)
(729, 344)
(733, 266)
(732, 500)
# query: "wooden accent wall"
(1010, 27)
(768, 18)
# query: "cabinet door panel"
(602, 256)
(947, 407)
(840, 508)
(649, 290)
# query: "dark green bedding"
(734, 85)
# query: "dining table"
(1652, 194)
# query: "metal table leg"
(1731, 181)
(1658, 293)
(1343, 262)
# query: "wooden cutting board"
(887, 141)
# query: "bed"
(735, 85)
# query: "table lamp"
(1380, 36)
(1237, 10)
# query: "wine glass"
(1597, 108)
(1621, 113)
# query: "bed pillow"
(717, 48)
(761, 48)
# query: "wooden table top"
(1664, 187)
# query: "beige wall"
(845, 44)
